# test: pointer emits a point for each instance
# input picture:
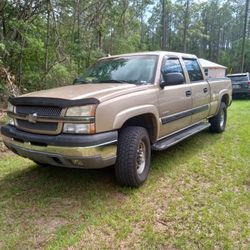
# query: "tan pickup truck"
(123, 107)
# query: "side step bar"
(179, 136)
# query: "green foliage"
(2, 50)
(48, 43)
(2, 86)
(131, 44)
(60, 75)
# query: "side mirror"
(171, 79)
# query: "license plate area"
(236, 86)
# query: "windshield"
(130, 69)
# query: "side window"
(193, 69)
(172, 66)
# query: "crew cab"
(119, 110)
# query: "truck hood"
(102, 92)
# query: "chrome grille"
(39, 127)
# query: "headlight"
(88, 110)
(10, 107)
(77, 128)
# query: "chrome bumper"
(88, 157)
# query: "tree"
(244, 35)
(49, 42)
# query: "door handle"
(205, 90)
(188, 93)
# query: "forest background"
(48, 43)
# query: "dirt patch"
(47, 228)
(101, 238)
(106, 236)
(158, 203)
(118, 196)
(57, 204)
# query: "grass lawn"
(3, 118)
(197, 197)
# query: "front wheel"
(133, 156)
(218, 122)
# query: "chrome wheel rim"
(141, 158)
(222, 118)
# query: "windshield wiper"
(136, 82)
(112, 81)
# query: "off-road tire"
(129, 168)
(218, 122)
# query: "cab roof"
(156, 53)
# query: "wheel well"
(146, 121)
(225, 99)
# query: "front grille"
(41, 111)
(39, 127)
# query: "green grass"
(3, 118)
(197, 197)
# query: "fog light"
(75, 128)
(72, 128)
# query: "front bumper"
(78, 151)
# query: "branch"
(54, 64)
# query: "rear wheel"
(133, 156)
(218, 122)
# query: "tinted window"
(193, 69)
(172, 66)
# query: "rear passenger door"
(175, 101)
(200, 90)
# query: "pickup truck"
(119, 110)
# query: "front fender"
(129, 113)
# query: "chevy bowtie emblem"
(32, 118)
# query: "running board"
(179, 136)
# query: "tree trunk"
(20, 64)
(46, 66)
(244, 37)
(164, 26)
(186, 16)
(78, 33)
(142, 28)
